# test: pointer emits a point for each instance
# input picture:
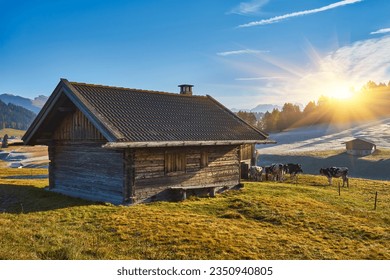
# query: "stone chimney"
(186, 89)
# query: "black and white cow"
(277, 170)
(336, 172)
(293, 169)
(255, 173)
(267, 171)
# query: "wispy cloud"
(240, 52)
(300, 13)
(351, 66)
(275, 80)
(381, 31)
(258, 78)
(249, 8)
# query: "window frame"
(175, 163)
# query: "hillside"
(33, 105)
(264, 220)
(329, 137)
(13, 116)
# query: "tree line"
(13, 116)
(371, 102)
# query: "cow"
(277, 171)
(267, 171)
(293, 169)
(255, 173)
(336, 172)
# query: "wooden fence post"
(376, 198)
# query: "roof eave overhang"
(64, 87)
(36, 124)
(90, 113)
(157, 144)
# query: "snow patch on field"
(324, 138)
(31, 157)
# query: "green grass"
(264, 220)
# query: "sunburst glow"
(339, 90)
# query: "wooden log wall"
(87, 171)
(150, 176)
(247, 151)
(76, 127)
(80, 167)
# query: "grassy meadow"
(11, 132)
(264, 220)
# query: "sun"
(339, 90)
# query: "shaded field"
(375, 166)
(322, 146)
(264, 220)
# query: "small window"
(175, 162)
(204, 159)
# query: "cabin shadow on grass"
(25, 199)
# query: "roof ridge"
(133, 89)
(236, 116)
(139, 117)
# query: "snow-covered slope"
(322, 137)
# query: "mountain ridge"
(260, 108)
(34, 105)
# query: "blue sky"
(241, 52)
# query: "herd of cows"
(278, 171)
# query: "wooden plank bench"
(183, 190)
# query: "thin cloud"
(240, 52)
(249, 8)
(381, 31)
(352, 65)
(258, 78)
(301, 13)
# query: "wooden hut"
(360, 147)
(124, 145)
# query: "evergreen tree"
(13, 116)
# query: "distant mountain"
(40, 101)
(235, 110)
(262, 108)
(14, 116)
(33, 105)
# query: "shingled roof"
(130, 117)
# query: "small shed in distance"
(360, 147)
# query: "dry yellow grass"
(11, 132)
(264, 220)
